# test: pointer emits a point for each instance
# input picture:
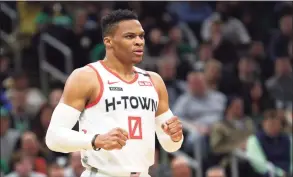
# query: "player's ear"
(108, 42)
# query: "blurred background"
(227, 67)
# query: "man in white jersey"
(119, 107)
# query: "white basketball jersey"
(130, 106)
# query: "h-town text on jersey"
(131, 102)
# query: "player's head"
(123, 36)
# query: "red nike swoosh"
(111, 82)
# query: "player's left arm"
(168, 127)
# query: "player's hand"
(115, 139)
(173, 128)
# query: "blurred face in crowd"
(216, 172)
(24, 166)
(29, 144)
(21, 82)
(126, 41)
(56, 171)
(4, 63)
(180, 168)
(155, 36)
(213, 71)
(55, 97)
(283, 66)
(256, 91)
(167, 69)
(236, 108)
(272, 126)
(175, 34)
(257, 49)
(4, 125)
(246, 66)
(205, 52)
(286, 24)
(18, 100)
(197, 84)
(81, 18)
(46, 115)
(75, 162)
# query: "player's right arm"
(80, 88)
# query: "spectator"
(280, 85)
(205, 54)
(256, 101)
(23, 167)
(167, 70)
(20, 119)
(279, 42)
(33, 96)
(155, 43)
(8, 138)
(75, 167)
(269, 144)
(55, 170)
(223, 49)
(215, 172)
(258, 55)
(234, 83)
(30, 147)
(233, 131)
(41, 123)
(212, 72)
(200, 107)
(180, 168)
(55, 96)
(233, 29)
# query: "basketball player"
(119, 107)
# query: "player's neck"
(115, 65)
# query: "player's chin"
(136, 59)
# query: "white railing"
(12, 14)
(46, 67)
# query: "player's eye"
(129, 36)
(141, 36)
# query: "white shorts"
(90, 173)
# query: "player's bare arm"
(81, 88)
(165, 120)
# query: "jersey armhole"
(97, 99)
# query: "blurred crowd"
(227, 67)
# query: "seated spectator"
(23, 166)
(201, 107)
(8, 139)
(270, 144)
(256, 100)
(30, 147)
(280, 85)
(233, 29)
(213, 72)
(41, 123)
(264, 65)
(233, 131)
(75, 167)
(280, 40)
(215, 172)
(55, 170)
(55, 96)
(175, 88)
(179, 167)
(205, 54)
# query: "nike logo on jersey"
(110, 83)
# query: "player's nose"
(139, 42)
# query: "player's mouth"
(138, 52)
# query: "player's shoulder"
(83, 75)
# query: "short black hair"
(110, 20)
